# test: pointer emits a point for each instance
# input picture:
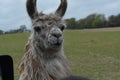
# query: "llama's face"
(48, 31)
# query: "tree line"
(94, 21)
(21, 29)
(91, 21)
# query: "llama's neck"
(37, 66)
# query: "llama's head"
(47, 30)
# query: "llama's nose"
(56, 32)
(57, 35)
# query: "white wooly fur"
(37, 66)
(44, 57)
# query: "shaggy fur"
(44, 57)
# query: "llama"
(44, 57)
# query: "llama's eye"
(49, 23)
(62, 27)
(42, 27)
(37, 28)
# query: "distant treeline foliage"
(1, 32)
(22, 29)
(91, 21)
(94, 21)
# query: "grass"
(92, 54)
(13, 44)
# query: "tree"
(112, 21)
(117, 18)
(22, 28)
(81, 23)
(93, 21)
(99, 21)
(19, 30)
(1, 32)
(96, 23)
(71, 23)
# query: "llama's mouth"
(56, 44)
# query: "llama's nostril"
(57, 35)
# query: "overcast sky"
(13, 12)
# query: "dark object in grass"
(6, 66)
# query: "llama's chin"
(57, 45)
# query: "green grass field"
(0, 78)
(92, 54)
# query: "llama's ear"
(62, 8)
(31, 8)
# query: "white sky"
(13, 12)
